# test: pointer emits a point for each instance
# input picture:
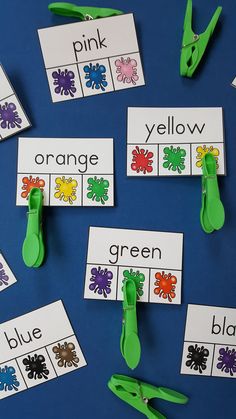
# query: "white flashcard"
(7, 278)
(152, 259)
(13, 118)
(173, 141)
(91, 57)
(69, 171)
(210, 342)
(37, 347)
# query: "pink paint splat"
(127, 70)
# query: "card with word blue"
(36, 348)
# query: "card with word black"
(210, 342)
(91, 57)
(152, 259)
(69, 171)
(13, 118)
(173, 141)
(36, 348)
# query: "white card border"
(157, 144)
(22, 109)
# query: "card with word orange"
(69, 171)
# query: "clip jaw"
(82, 12)
(193, 45)
(212, 215)
(33, 246)
(137, 394)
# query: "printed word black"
(119, 251)
(97, 42)
(223, 328)
(83, 160)
(21, 338)
(173, 128)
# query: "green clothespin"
(82, 12)
(212, 215)
(129, 341)
(33, 247)
(137, 394)
(193, 45)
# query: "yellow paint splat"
(202, 151)
(66, 189)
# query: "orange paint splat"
(29, 183)
(165, 287)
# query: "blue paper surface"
(165, 204)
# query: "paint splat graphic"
(203, 150)
(66, 189)
(95, 76)
(64, 82)
(9, 117)
(174, 159)
(227, 360)
(3, 277)
(36, 367)
(101, 281)
(30, 182)
(138, 277)
(98, 189)
(66, 355)
(165, 285)
(127, 69)
(142, 160)
(8, 379)
(197, 358)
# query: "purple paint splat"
(64, 80)
(227, 360)
(3, 277)
(9, 117)
(101, 281)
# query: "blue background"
(166, 204)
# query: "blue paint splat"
(8, 379)
(95, 74)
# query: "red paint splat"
(142, 160)
(29, 183)
(165, 285)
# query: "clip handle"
(81, 12)
(211, 27)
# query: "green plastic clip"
(129, 341)
(33, 247)
(137, 394)
(212, 215)
(193, 45)
(82, 12)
